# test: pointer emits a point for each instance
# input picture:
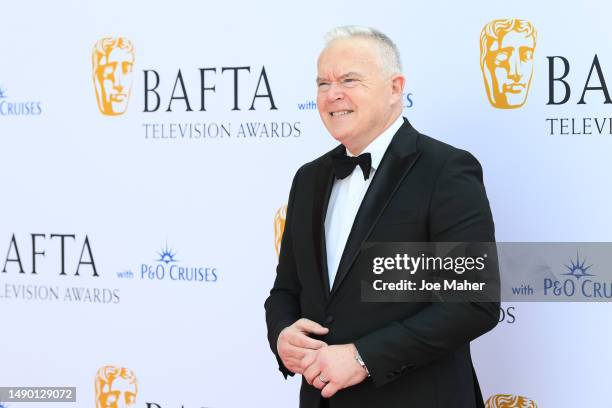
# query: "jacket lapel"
(323, 185)
(395, 164)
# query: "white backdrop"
(69, 169)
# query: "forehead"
(513, 39)
(344, 55)
(121, 384)
(119, 54)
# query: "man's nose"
(335, 92)
(118, 79)
(515, 68)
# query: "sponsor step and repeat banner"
(147, 155)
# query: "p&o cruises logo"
(168, 267)
(580, 284)
(18, 107)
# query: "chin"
(340, 136)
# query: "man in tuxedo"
(385, 182)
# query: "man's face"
(114, 80)
(354, 97)
(118, 393)
(510, 62)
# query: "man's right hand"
(293, 343)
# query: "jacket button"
(329, 319)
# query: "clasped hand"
(328, 368)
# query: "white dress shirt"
(346, 197)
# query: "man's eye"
(107, 71)
(127, 67)
(350, 82)
(501, 58)
(527, 55)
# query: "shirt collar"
(378, 146)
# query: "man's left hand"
(333, 368)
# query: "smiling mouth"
(118, 97)
(340, 113)
(514, 88)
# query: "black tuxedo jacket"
(418, 354)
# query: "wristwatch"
(361, 363)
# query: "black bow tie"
(344, 165)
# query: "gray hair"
(389, 53)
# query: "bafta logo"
(506, 61)
(113, 61)
(279, 227)
(509, 401)
(116, 387)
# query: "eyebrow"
(343, 76)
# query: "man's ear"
(398, 81)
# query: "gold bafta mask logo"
(279, 227)
(116, 387)
(506, 61)
(509, 401)
(113, 61)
